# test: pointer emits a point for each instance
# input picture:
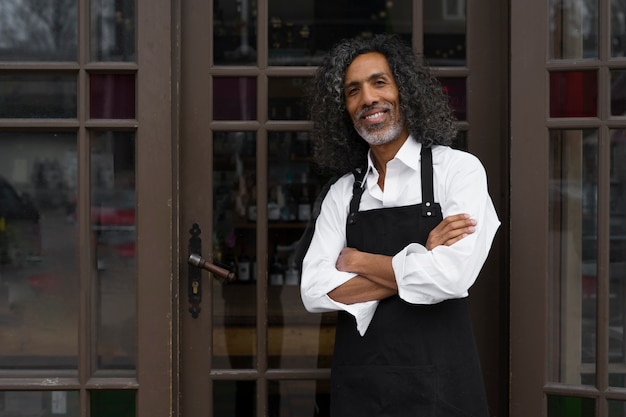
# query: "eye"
(351, 91)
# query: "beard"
(380, 133)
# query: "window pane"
(39, 403)
(296, 338)
(618, 28)
(572, 256)
(39, 281)
(286, 99)
(445, 32)
(573, 29)
(617, 260)
(234, 398)
(618, 92)
(298, 398)
(112, 96)
(112, 30)
(38, 30)
(573, 94)
(234, 98)
(113, 240)
(35, 95)
(570, 406)
(302, 32)
(234, 32)
(616, 408)
(455, 88)
(234, 247)
(109, 403)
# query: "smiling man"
(401, 237)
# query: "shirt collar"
(407, 154)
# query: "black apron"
(414, 360)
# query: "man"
(382, 254)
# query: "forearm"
(375, 279)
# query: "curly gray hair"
(338, 148)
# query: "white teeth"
(371, 116)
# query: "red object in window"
(573, 94)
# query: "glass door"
(248, 183)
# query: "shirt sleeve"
(429, 277)
(319, 273)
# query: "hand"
(343, 261)
(451, 230)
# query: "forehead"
(365, 65)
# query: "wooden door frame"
(156, 231)
(529, 222)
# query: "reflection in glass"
(234, 247)
(573, 29)
(298, 398)
(618, 92)
(302, 32)
(38, 31)
(234, 32)
(234, 399)
(617, 260)
(618, 28)
(296, 338)
(560, 406)
(234, 98)
(36, 95)
(616, 408)
(38, 251)
(456, 90)
(112, 96)
(39, 403)
(572, 256)
(445, 32)
(109, 403)
(573, 94)
(112, 30)
(286, 98)
(113, 245)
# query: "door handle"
(195, 278)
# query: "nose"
(368, 96)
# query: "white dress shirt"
(423, 276)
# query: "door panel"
(247, 179)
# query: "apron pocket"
(389, 391)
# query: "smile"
(375, 115)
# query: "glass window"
(445, 32)
(38, 96)
(573, 256)
(300, 33)
(234, 98)
(112, 30)
(39, 403)
(112, 96)
(234, 247)
(618, 28)
(108, 403)
(39, 279)
(456, 90)
(573, 94)
(286, 98)
(234, 32)
(38, 30)
(573, 29)
(617, 260)
(618, 92)
(561, 406)
(113, 245)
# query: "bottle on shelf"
(292, 275)
(276, 275)
(304, 202)
(243, 268)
